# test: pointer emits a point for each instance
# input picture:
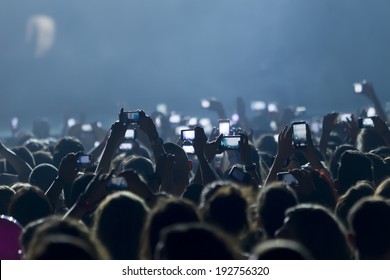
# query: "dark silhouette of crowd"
(137, 192)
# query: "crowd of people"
(134, 192)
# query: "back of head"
(318, 230)
(24, 154)
(370, 223)
(334, 161)
(193, 193)
(78, 187)
(43, 176)
(194, 241)
(63, 247)
(227, 209)
(42, 157)
(29, 204)
(118, 224)
(180, 168)
(368, 140)
(354, 166)
(266, 143)
(167, 212)
(273, 202)
(348, 200)
(141, 165)
(65, 146)
(381, 169)
(383, 189)
(6, 194)
(280, 249)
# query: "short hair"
(348, 200)
(370, 223)
(280, 249)
(167, 212)
(195, 241)
(43, 176)
(272, 203)
(42, 157)
(65, 146)
(6, 194)
(118, 224)
(29, 204)
(369, 139)
(383, 189)
(354, 166)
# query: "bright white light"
(71, 122)
(193, 121)
(358, 87)
(371, 112)
(235, 118)
(162, 108)
(258, 105)
(272, 107)
(41, 29)
(205, 103)
(174, 118)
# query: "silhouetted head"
(65, 146)
(43, 176)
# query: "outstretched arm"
(22, 168)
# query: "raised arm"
(22, 168)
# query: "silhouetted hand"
(285, 147)
(329, 122)
(147, 125)
(212, 148)
(352, 129)
(199, 142)
(97, 187)
(245, 150)
(135, 184)
(69, 168)
(305, 185)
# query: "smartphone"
(224, 127)
(132, 117)
(187, 136)
(189, 149)
(125, 146)
(230, 142)
(130, 134)
(366, 123)
(287, 178)
(85, 161)
(117, 183)
(299, 134)
(343, 117)
(239, 175)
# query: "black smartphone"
(85, 161)
(240, 175)
(130, 134)
(287, 178)
(132, 117)
(230, 142)
(224, 127)
(299, 134)
(366, 123)
(117, 183)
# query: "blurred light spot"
(258, 105)
(371, 112)
(162, 108)
(71, 122)
(205, 103)
(272, 107)
(193, 121)
(41, 30)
